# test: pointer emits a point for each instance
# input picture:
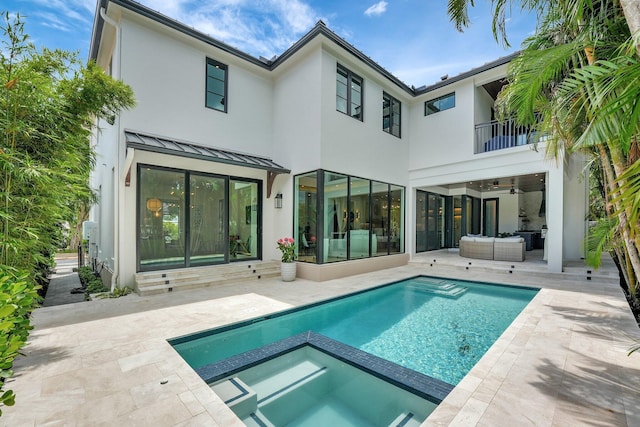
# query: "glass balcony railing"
(497, 135)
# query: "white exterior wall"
(362, 148)
(102, 183)
(508, 217)
(167, 73)
(296, 112)
(483, 104)
(440, 138)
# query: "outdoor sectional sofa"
(493, 248)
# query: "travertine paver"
(107, 363)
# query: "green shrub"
(17, 299)
(95, 285)
(85, 274)
(117, 293)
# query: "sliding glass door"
(430, 221)
(490, 217)
(188, 218)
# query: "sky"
(412, 39)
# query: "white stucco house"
(225, 153)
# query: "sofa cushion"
(485, 239)
(510, 239)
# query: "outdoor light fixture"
(278, 201)
(154, 205)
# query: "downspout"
(118, 178)
(119, 201)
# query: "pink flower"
(287, 247)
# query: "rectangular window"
(216, 96)
(348, 93)
(442, 103)
(391, 109)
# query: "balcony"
(496, 135)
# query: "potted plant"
(288, 267)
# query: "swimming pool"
(437, 327)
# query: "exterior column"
(554, 217)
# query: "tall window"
(391, 109)
(216, 97)
(187, 219)
(306, 216)
(442, 103)
(340, 217)
(348, 93)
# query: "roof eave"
(488, 66)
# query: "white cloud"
(74, 11)
(296, 14)
(263, 28)
(376, 9)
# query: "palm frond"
(458, 11)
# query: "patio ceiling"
(523, 183)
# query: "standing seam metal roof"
(168, 146)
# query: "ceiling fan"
(513, 190)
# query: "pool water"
(307, 387)
(438, 327)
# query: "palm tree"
(579, 73)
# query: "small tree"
(48, 104)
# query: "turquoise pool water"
(438, 327)
(308, 388)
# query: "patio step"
(150, 283)
(444, 288)
(437, 262)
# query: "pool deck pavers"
(563, 361)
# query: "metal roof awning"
(178, 148)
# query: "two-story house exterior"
(225, 153)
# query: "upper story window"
(440, 104)
(391, 109)
(349, 93)
(216, 96)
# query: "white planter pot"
(288, 271)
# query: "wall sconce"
(155, 206)
(278, 201)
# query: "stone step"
(445, 288)
(517, 269)
(201, 277)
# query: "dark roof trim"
(165, 20)
(319, 29)
(176, 148)
(488, 66)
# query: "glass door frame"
(496, 219)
